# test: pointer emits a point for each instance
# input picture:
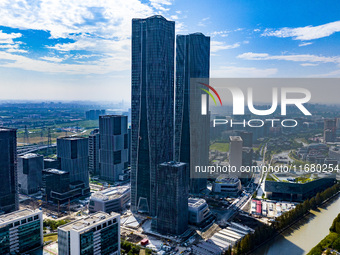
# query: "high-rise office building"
(21, 231)
(94, 146)
(98, 233)
(9, 200)
(191, 127)
(129, 153)
(172, 198)
(329, 130)
(30, 168)
(114, 146)
(247, 138)
(235, 153)
(94, 114)
(152, 101)
(247, 156)
(72, 153)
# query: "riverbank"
(331, 242)
(294, 236)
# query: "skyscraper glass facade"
(9, 200)
(73, 155)
(191, 128)
(172, 198)
(153, 41)
(113, 146)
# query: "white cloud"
(103, 18)
(6, 42)
(223, 33)
(100, 27)
(305, 33)
(234, 71)
(15, 50)
(106, 64)
(334, 74)
(8, 38)
(202, 23)
(305, 44)
(159, 4)
(52, 59)
(308, 64)
(296, 58)
(217, 46)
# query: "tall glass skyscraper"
(73, 155)
(114, 145)
(191, 134)
(9, 200)
(152, 100)
(172, 199)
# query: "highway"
(32, 148)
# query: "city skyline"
(53, 52)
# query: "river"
(303, 236)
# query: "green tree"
(318, 199)
(336, 244)
(312, 203)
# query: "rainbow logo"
(207, 91)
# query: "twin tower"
(160, 114)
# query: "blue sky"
(80, 50)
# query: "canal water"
(303, 236)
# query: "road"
(246, 196)
(33, 148)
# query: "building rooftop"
(235, 138)
(154, 17)
(91, 220)
(15, 215)
(173, 163)
(72, 138)
(7, 129)
(50, 159)
(195, 202)
(111, 116)
(226, 179)
(54, 171)
(30, 155)
(110, 193)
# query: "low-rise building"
(21, 231)
(56, 186)
(198, 211)
(230, 186)
(96, 234)
(293, 191)
(112, 199)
